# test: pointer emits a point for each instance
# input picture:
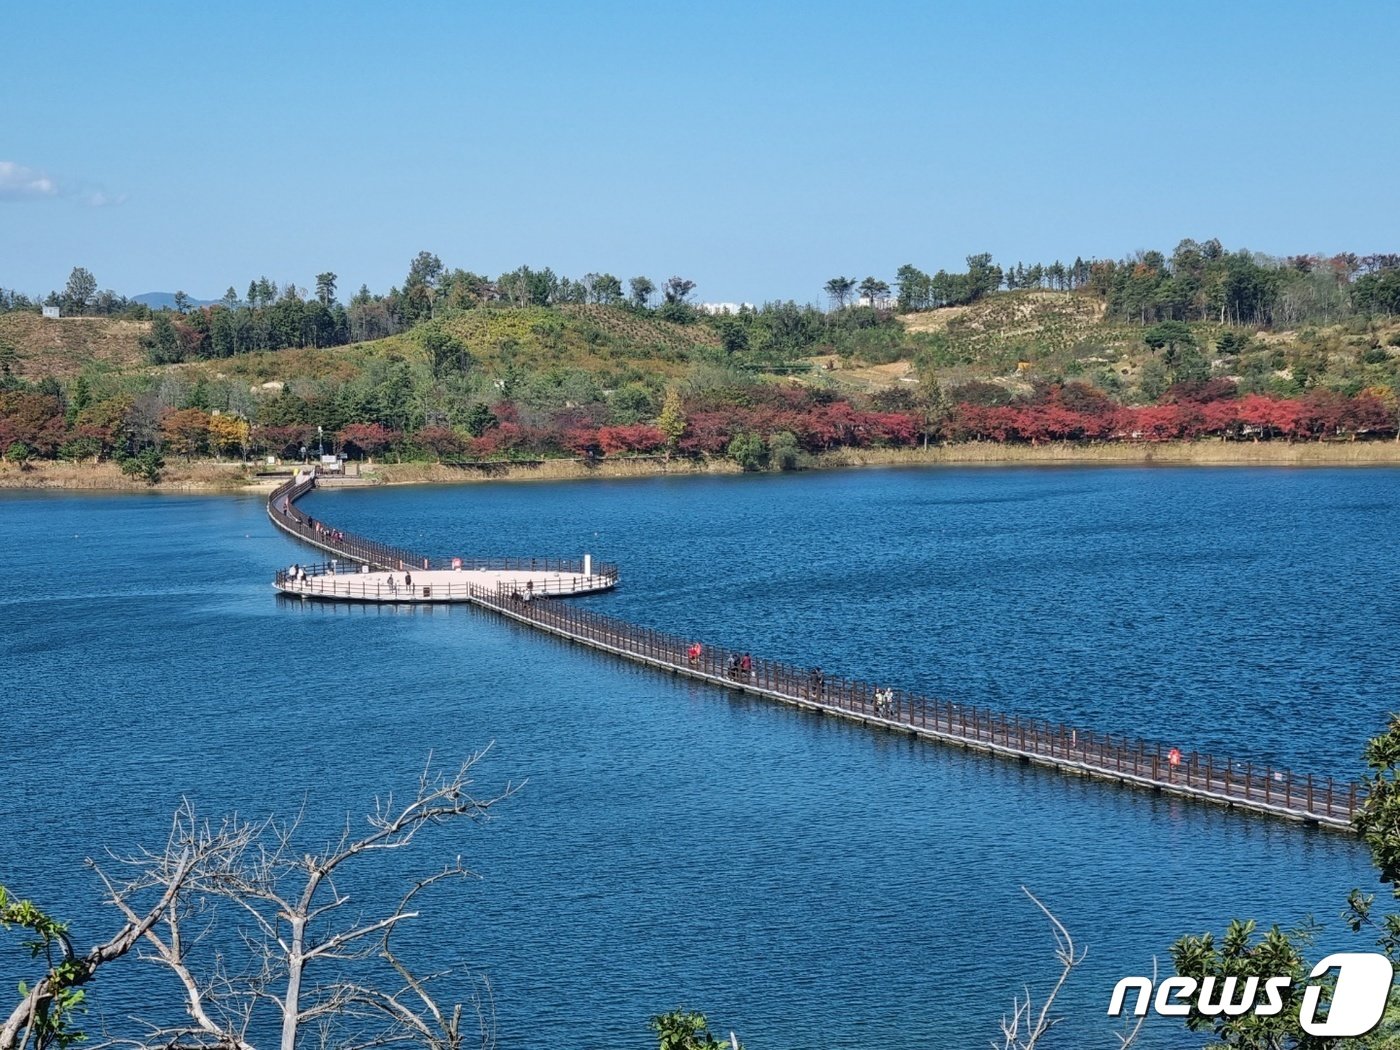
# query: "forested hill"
(534, 364)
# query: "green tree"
(733, 334)
(671, 421)
(325, 288)
(162, 345)
(448, 354)
(784, 451)
(82, 286)
(634, 403)
(682, 1030)
(47, 1009)
(1174, 335)
(748, 450)
(914, 289)
(146, 465)
(19, 454)
(873, 290)
(838, 290)
(642, 289)
(182, 303)
(607, 290)
(9, 357)
(1242, 955)
(1282, 952)
(480, 419)
(677, 290)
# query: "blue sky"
(756, 150)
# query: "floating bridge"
(365, 570)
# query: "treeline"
(1189, 411)
(1197, 282)
(80, 297)
(756, 425)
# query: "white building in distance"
(723, 308)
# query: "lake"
(800, 880)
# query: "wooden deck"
(1130, 761)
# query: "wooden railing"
(1130, 760)
(282, 509)
(1118, 757)
(340, 579)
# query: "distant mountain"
(166, 300)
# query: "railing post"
(1310, 793)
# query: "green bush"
(146, 464)
(748, 451)
(80, 448)
(785, 453)
(20, 454)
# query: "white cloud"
(20, 183)
(101, 199)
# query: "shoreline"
(232, 478)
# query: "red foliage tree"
(442, 442)
(367, 439)
(637, 437)
(582, 441)
(33, 419)
(285, 441)
(1370, 415)
(1221, 417)
(706, 433)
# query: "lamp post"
(321, 438)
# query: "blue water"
(800, 880)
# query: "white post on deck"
(588, 565)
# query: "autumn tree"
(366, 439)
(185, 432)
(671, 422)
(228, 434)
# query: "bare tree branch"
(305, 958)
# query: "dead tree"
(1025, 1027)
(258, 933)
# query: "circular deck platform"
(347, 583)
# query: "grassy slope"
(1015, 336)
(1009, 337)
(63, 348)
(590, 338)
